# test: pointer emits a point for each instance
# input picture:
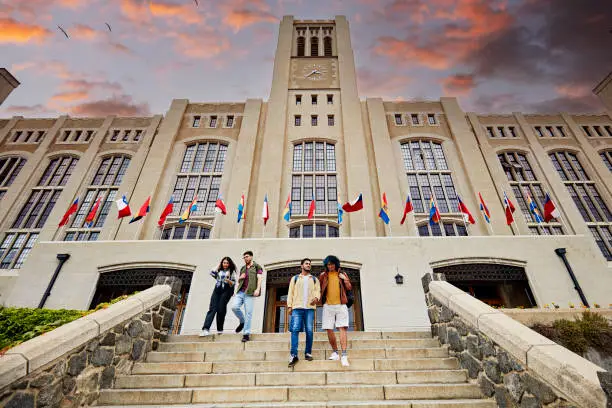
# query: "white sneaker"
(344, 361)
(334, 356)
(204, 333)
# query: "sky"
(496, 56)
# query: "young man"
(249, 287)
(302, 298)
(334, 285)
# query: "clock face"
(314, 72)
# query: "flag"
(550, 210)
(311, 208)
(407, 209)
(340, 213)
(167, 210)
(144, 210)
(287, 211)
(265, 213)
(484, 209)
(192, 208)
(355, 205)
(92, 214)
(73, 208)
(241, 209)
(384, 210)
(533, 208)
(466, 213)
(509, 208)
(434, 214)
(123, 207)
(220, 205)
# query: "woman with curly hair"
(225, 279)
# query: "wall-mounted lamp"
(399, 279)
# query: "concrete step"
(216, 395)
(457, 403)
(289, 378)
(306, 366)
(281, 355)
(207, 346)
(233, 337)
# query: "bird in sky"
(109, 27)
(63, 31)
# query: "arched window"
(22, 235)
(327, 46)
(200, 174)
(443, 229)
(314, 230)
(185, 231)
(314, 175)
(607, 158)
(428, 174)
(301, 46)
(524, 183)
(104, 186)
(584, 192)
(9, 169)
(314, 46)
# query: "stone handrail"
(570, 376)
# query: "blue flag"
(340, 212)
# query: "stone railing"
(511, 362)
(69, 365)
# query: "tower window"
(314, 120)
(298, 99)
(327, 46)
(196, 121)
(230, 121)
(213, 122)
(301, 46)
(512, 131)
(314, 99)
(314, 46)
(431, 118)
(330, 120)
(415, 119)
(330, 99)
(398, 119)
(298, 120)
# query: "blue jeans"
(301, 319)
(248, 302)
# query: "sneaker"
(344, 361)
(246, 338)
(204, 333)
(334, 356)
(220, 332)
(293, 360)
(239, 328)
(308, 357)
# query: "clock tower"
(313, 127)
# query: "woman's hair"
(333, 259)
(232, 265)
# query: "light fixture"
(399, 279)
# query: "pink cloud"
(381, 85)
(13, 31)
(121, 105)
(239, 19)
(458, 84)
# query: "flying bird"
(109, 27)
(63, 31)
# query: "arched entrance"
(126, 281)
(495, 284)
(276, 318)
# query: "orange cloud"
(13, 31)
(84, 32)
(121, 105)
(202, 44)
(573, 90)
(408, 52)
(381, 85)
(185, 13)
(238, 19)
(69, 96)
(72, 3)
(458, 84)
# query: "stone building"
(7, 84)
(313, 138)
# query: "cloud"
(184, 12)
(28, 109)
(407, 52)
(69, 96)
(381, 84)
(458, 84)
(571, 104)
(13, 31)
(238, 19)
(119, 48)
(84, 32)
(203, 44)
(88, 86)
(121, 105)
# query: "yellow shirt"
(333, 289)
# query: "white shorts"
(334, 316)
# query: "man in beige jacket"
(304, 294)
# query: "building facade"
(7, 84)
(314, 139)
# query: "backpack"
(350, 296)
(314, 280)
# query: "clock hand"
(313, 71)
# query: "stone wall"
(510, 362)
(68, 366)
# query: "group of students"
(332, 289)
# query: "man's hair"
(248, 253)
(333, 259)
(304, 260)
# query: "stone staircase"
(395, 369)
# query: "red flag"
(71, 210)
(407, 209)
(265, 214)
(550, 210)
(167, 210)
(466, 213)
(92, 213)
(143, 210)
(220, 205)
(355, 205)
(311, 209)
(509, 207)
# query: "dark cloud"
(120, 105)
(579, 104)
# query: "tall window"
(605, 156)
(590, 204)
(314, 46)
(428, 174)
(524, 182)
(301, 46)
(200, 174)
(104, 186)
(327, 46)
(191, 231)
(9, 170)
(24, 231)
(314, 175)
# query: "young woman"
(225, 279)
